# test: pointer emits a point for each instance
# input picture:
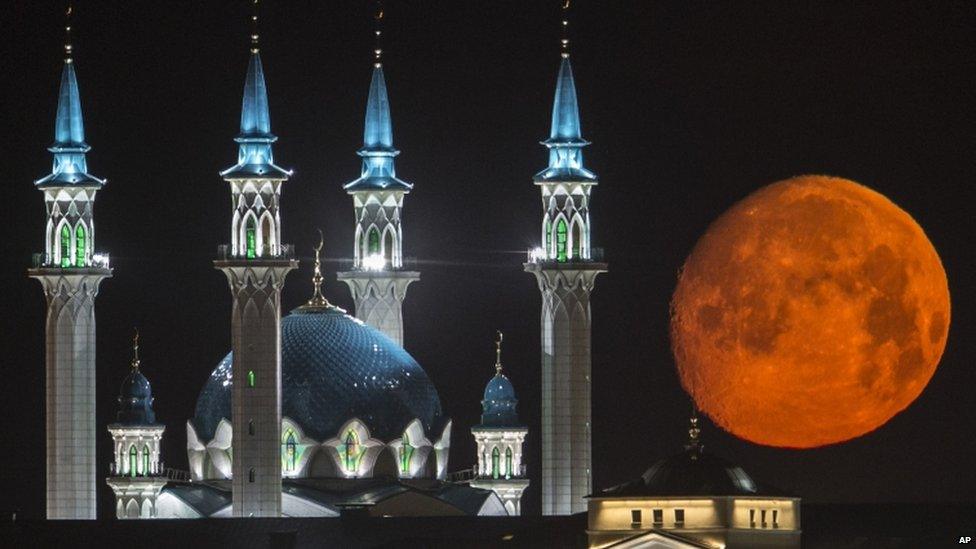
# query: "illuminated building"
(565, 266)
(500, 437)
(70, 273)
(378, 280)
(136, 473)
(693, 499)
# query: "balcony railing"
(43, 260)
(538, 255)
(286, 251)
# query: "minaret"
(70, 273)
(256, 264)
(500, 437)
(378, 281)
(136, 475)
(566, 269)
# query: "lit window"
(250, 239)
(133, 460)
(679, 518)
(351, 452)
(658, 516)
(635, 518)
(145, 460)
(388, 247)
(508, 463)
(250, 378)
(65, 246)
(373, 241)
(80, 246)
(561, 237)
(406, 451)
(291, 451)
(495, 455)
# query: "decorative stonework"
(379, 298)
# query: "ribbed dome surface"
(498, 405)
(334, 368)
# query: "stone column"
(379, 298)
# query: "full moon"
(809, 313)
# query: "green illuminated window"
(351, 452)
(406, 451)
(561, 237)
(250, 240)
(495, 455)
(65, 246)
(291, 451)
(80, 246)
(250, 378)
(133, 460)
(373, 241)
(508, 463)
(145, 460)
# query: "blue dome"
(334, 368)
(135, 400)
(498, 404)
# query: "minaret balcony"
(285, 252)
(538, 255)
(44, 260)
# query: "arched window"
(250, 239)
(250, 475)
(388, 247)
(250, 427)
(65, 246)
(547, 234)
(250, 378)
(80, 241)
(133, 460)
(577, 239)
(495, 455)
(406, 450)
(145, 460)
(508, 463)
(351, 452)
(267, 243)
(373, 241)
(291, 451)
(561, 237)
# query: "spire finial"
(378, 32)
(318, 300)
(694, 445)
(564, 41)
(254, 27)
(135, 349)
(68, 13)
(499, 337)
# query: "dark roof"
(135, 400)
(334, 368)
(692, 473)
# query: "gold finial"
(378, 32)
(564, 41)
(318, 300)
(135, 349)
(254, 27)
(67, 32)
(499, 337)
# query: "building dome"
(334, 368)
(499, 402)
(135, 400)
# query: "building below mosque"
(693, 499)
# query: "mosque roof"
(334, 368)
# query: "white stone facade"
(256, 342)
(379, 296)
(70, 389)
(379, 237)
(566, 220)
(137, 475)
(500, 466)
(256, 225)
(566, 382)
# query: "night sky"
(690, 107)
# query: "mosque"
(317, 411)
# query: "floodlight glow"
(374, 262)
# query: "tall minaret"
(70, 273)
(256, 265)
(500, 437)
(566, 270)
(378, 281)
(137, 474)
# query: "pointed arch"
(81, 243)
(562, 239)
(267, 243)
(133, 460)
(389, 245)
(64, 245)
(146, 509)
(547, 236)
(146, 457)
(358, 248)
(576, 238)
(495, 465)
(509, 473)
(372, 242)
(132, 509)
(290, 453)
(249, 237)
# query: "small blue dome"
(135, 400)
(334, 368)
(498, 405)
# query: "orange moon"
(809, 313)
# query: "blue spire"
(69, 147)
(378, 172)
(254, 157)
(565, 141)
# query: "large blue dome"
(334, 368)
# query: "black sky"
(689, 105)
